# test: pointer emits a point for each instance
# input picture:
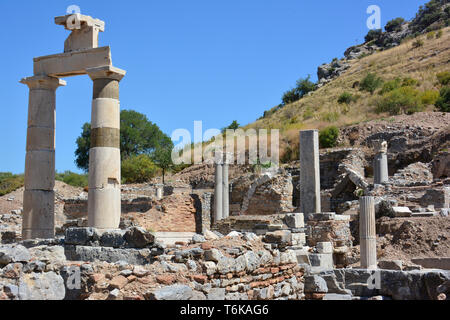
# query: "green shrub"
(439, 34)
(394, 25)
(409, 82)
(431, 35)
(347, 98)
(10, 182)
(429, 97)
(443, 78)
(443, 102)
(370, 83)
(328, 137)
(391, 85)
(138, 169)
(73, 179)
(373, 35)
(401, 100)
(418, 43)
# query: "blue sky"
(209, 60)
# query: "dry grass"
(321, 109)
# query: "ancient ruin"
(81, 56)
(331, 225)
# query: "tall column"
(367, 233)
(39, 197)
(309, 172)
(104, 155)
(218, 188)
(226, 188)
(380, 164)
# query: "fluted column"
(104, 203)
(218, 188)
(367, 233)
(226, 187)
(309, 172)
(39, 197)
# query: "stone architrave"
(309, 172)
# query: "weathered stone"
(53, 254)
(213, 255)
(13, 253)
(41, 286)
(226, 265)
(198, 238)
(294, 220)
(132, 256)
(390, 264)
(216, 294)
(112, 238)
(118, 282)
(315, 284)
(210, 267)
(279, 237)
(138, 237)
(324, 247)
(174, 292)
(79, 236)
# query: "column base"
(38, 214)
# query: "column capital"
(106, 72)
(43, 82)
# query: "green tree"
(303, 87)
(162, 156)
(138, 135)
(394, 25)
(233, 126)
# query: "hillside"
(320, 108)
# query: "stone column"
(104, 203)
(380, 164)
(367, 233)
(226, 188)
(309, 172)
(159, 193)
(39, 197)
(218, 189)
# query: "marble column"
(367, 233)
(226, 188)
(309, 172)
(104, 202)
(39, 197)
(218, 188)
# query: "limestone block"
(104, 208)
(39, 138)
(40, 170)
(402, 212)
(324, 247)
(38, 217)
(298, 239)
(72, 63)
(105, 113)
(295, 220)
(104, 168)
(322, 260)
(41, 108)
